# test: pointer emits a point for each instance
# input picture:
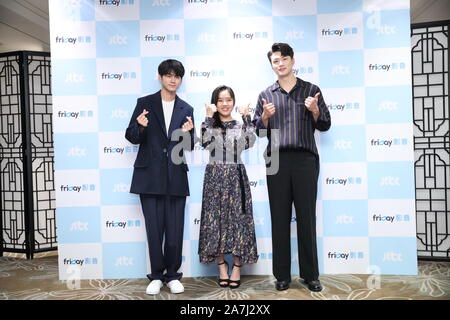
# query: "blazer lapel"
(177, 117)
(157, 109)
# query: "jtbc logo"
(344, 219)
(340, 70)
(76, 152)
(124, 261)
(74, 77)
(388, 105)
(342, 144)
(79, 226)
(392, 256)
(121, 187)
(206, 37)
(119, 114)
(390, 181)
(294, 34)
(386, 29)
(118, 39)
(160, 3)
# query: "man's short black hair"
(171, 65)
(284, 48)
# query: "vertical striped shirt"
(295, 122)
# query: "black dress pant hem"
(295, 182)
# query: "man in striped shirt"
(292, 109)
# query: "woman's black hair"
(169, 66)
(214, 98)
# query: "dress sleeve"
(208, 133)
(248, 136)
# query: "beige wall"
(429, 10)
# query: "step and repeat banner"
(105, 55)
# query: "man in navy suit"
(162, 125)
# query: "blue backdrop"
(105, 55)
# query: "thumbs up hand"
(311, 104)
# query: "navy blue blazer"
(154, 170)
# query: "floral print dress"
(227, 225)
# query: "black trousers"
(296, 181)
(164, 220)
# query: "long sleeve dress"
(227, 225)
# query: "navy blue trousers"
(164, 222)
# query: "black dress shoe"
(314, 285)
(282, 285)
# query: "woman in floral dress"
(227, 225)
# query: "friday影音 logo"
(118, 76)
(77, 188)
(120, 150)
(80, 262)
(389, 142)
(242, 35)
(123, 224)
(343, 181)
(351, 255)
(399, 217)
(203, 1)
(380, 67)
(161, 38)
(344, 106)
(206, 74)
(339, 32)
(115, 3)
(75, 114)
(72, 40)
(303, 70)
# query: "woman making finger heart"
(227, 225)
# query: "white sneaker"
(154, 287)
(175, 286)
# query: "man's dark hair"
(171, 65)
(284, 48)
(214, 98)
